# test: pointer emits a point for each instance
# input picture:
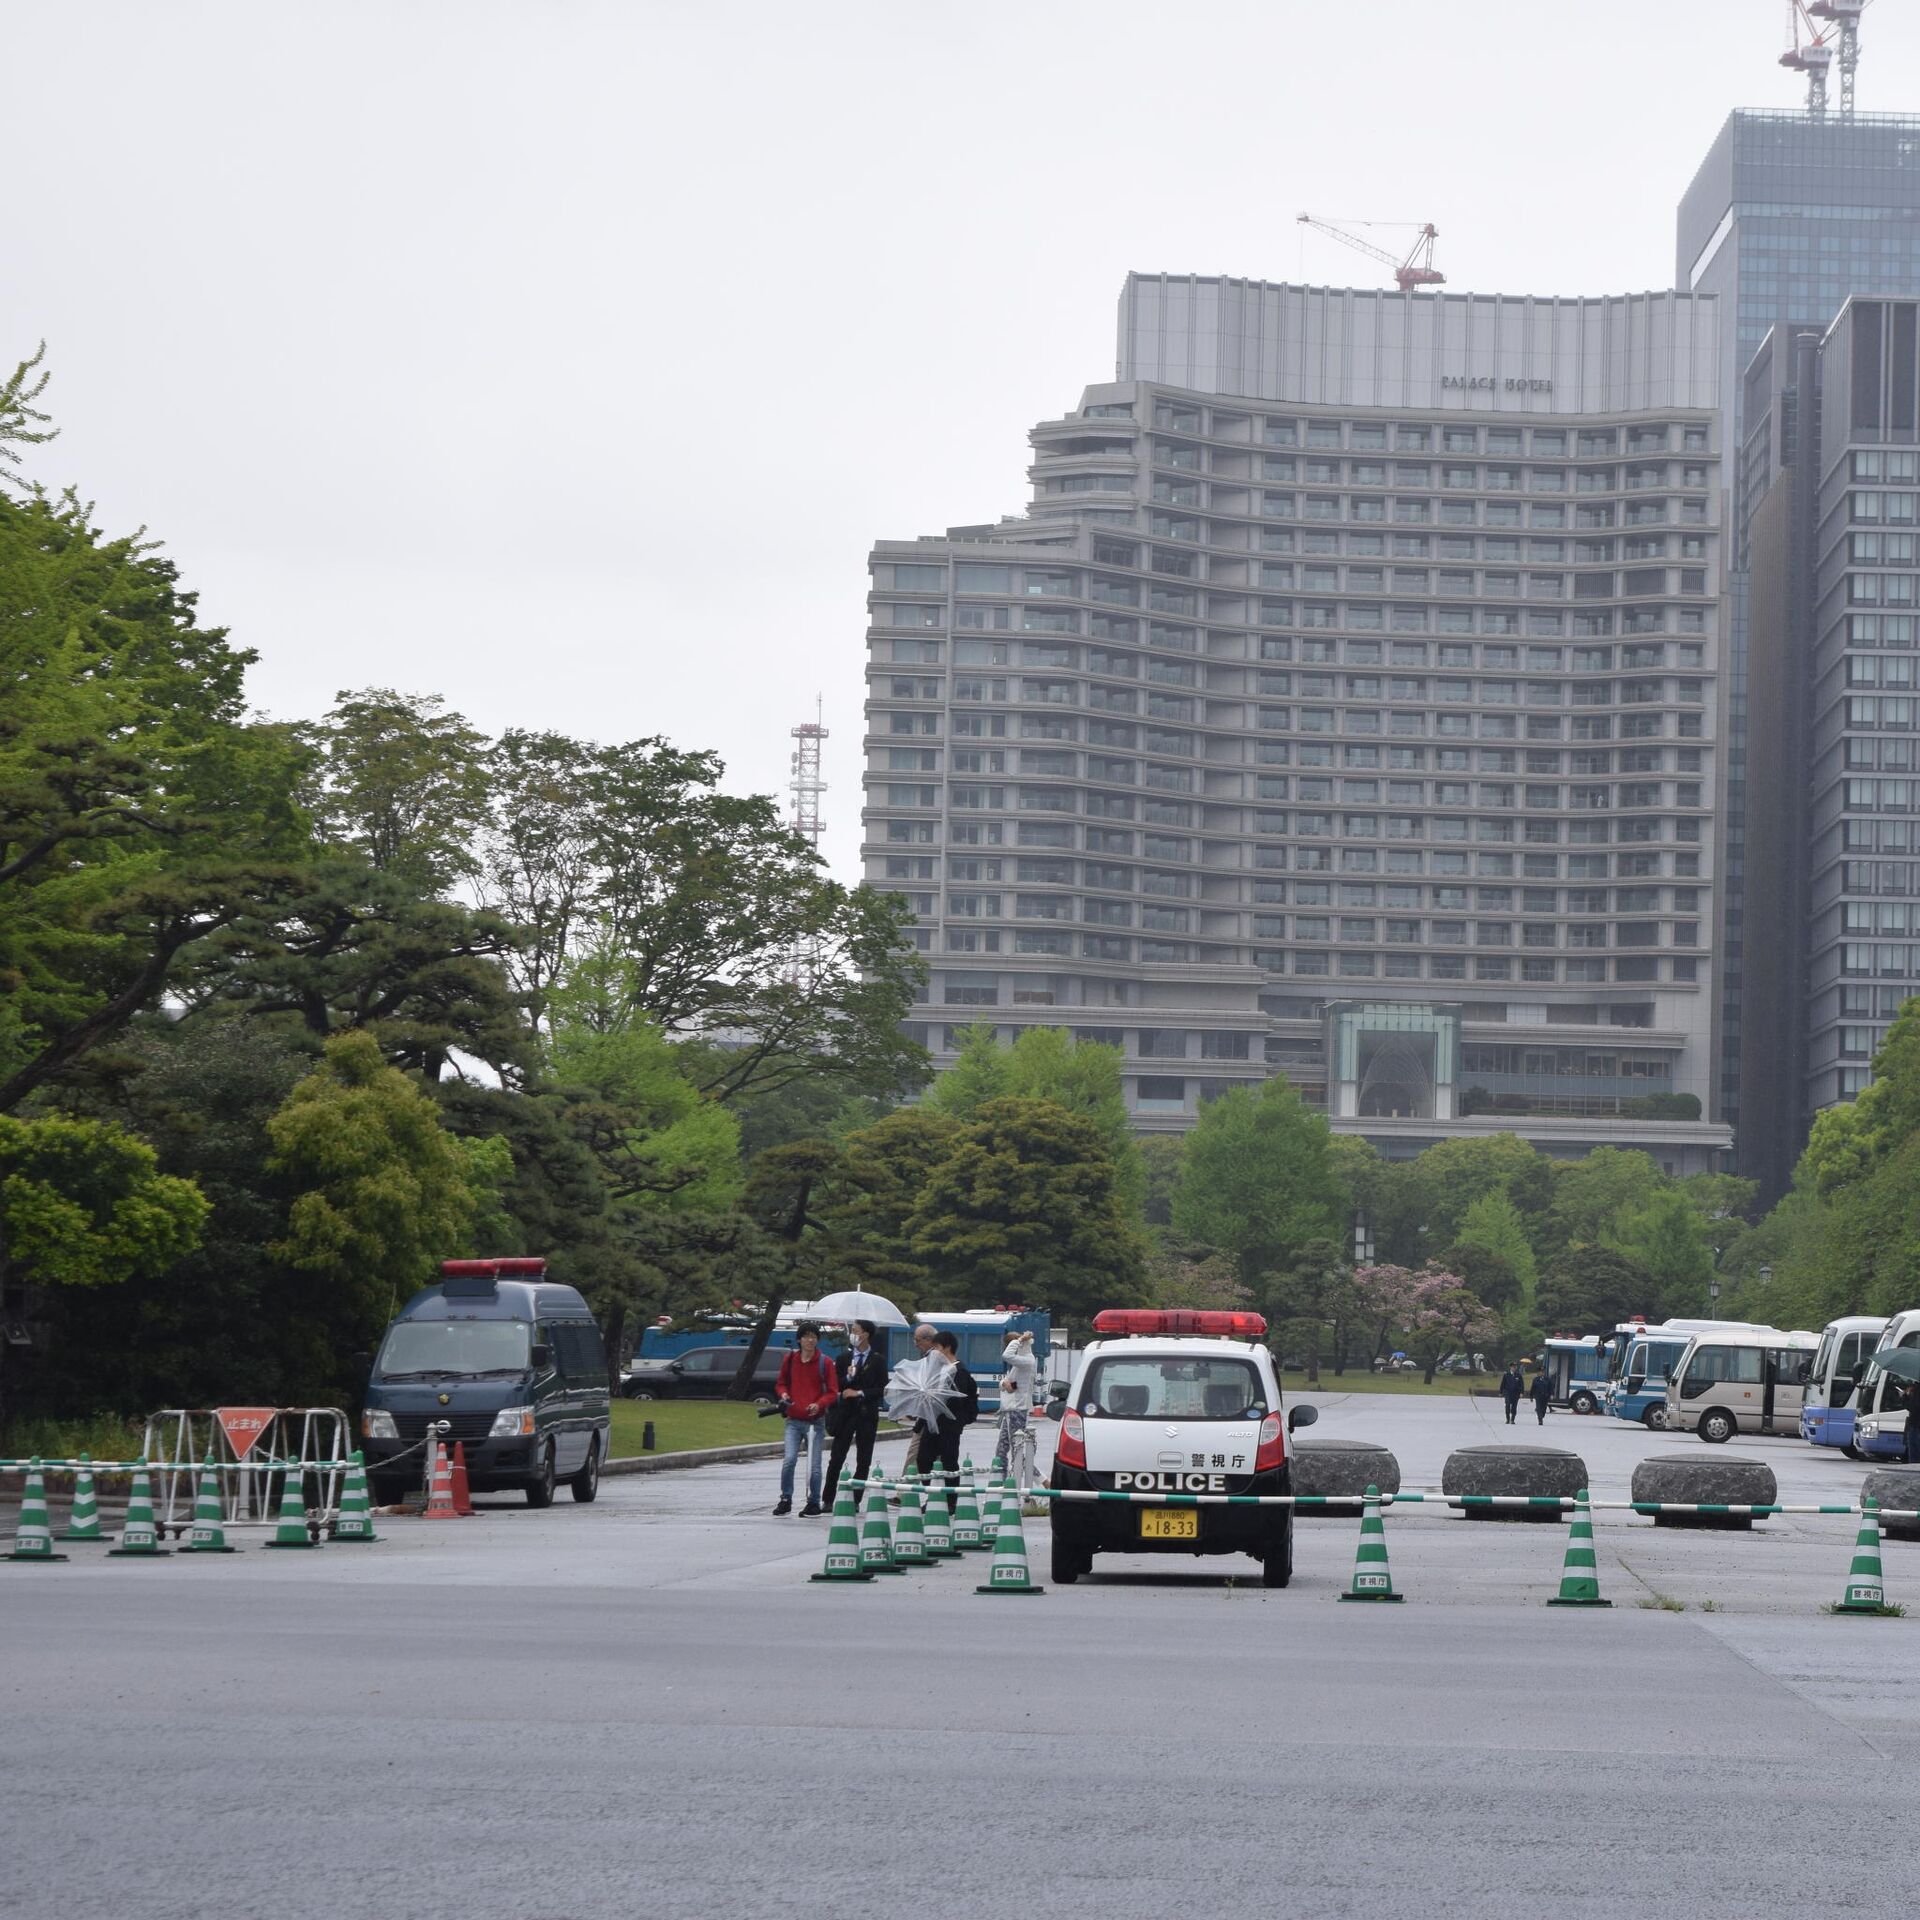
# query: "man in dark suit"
(942, 1443)
(856, 1418)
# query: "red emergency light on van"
(1191, 1322)
(515, 1267)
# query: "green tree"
(1591, 1194)
(1257, 1181)
(400, 780)
(982, 1071)
(1493, 1223)
(1307, 1296)
(885, 1170)
(1589, 1289)
(1452, 1174)
(1026, 1207)
(1668, 1240)
(380, 1188)
(1160, 1158)
(140, 812)
(84, 1204)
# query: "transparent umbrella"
(919, 1389)
(855, 1303)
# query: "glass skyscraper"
(1787, 217)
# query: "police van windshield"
(465, 1348)
(1125, 1387)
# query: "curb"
(693, 1457)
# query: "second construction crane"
(1416, 270)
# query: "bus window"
(1788, 1367)
(1743, 1365)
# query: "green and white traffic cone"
(843, 1560)
(83, 1520)
(966, 1514)
(1580, 1571)
(33, 1539)
(292, 1530)
(208, 1534)
(910, 1537)
(939, 1517)
(1009, 1574)
(876, 1537)
(139, 1537)
(1866, 1585)
(354, 1526)
(990, 1516)
(1371, 1579)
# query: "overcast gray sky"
(566, 358)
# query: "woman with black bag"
(854, 1419)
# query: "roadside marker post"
(1866, 1584)
(139, 1537)
(1580, 1571)
(83, 1521)
(33, 1539)
(1372, 1579)
(843, 1561)
(1009, 1572)
(208, 1534)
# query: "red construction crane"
(1416, 270)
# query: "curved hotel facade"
(1344, 704)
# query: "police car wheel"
(1276, 1569)
(1655, 1418)
(1852, 1452)
(1068, 1563)
(1584, 1403)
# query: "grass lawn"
(1360, 1381)
(679, 1426)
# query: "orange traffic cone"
(440, 1491)
(462, 1496)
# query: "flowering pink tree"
(1447, 1316)
(1383, 1303)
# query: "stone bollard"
(1896, 1486)
(1343, 1467)
(1514, 1470)
(1724, 1479)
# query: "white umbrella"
(920, 1389)
(855, 1303)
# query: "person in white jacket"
(1019, 1371)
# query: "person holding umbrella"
(855, 1417)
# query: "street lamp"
(1766, 1274)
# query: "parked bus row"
(1719, 1378)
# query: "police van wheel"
(1583, 1403)
(586, 1483)
(1067, 1563)
(1276, 1569)
(1852, 1452)
(540, 1487)
(1655, 1418)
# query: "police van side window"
(581, 1356)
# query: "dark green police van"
(514, 1367)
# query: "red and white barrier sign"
(243, 1426)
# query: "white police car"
(1174, 1401)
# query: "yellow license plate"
(1169, 1523)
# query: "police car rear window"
(1123, 1387)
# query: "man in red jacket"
(807, 1387)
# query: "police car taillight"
(1070, 1450)
(1181, 1321)
(1273, 1444)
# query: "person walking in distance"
(806, 1389)
(941, 1443)
(1542, 1393)
(1511, 1388)
(1019, 1371)
(862, 1377)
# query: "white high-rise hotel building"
(1345, 705)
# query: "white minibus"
(1880, 1423)
(1827, 1413)
(1746, 1380)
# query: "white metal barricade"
(252, 1450)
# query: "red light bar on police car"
(1181, 1320)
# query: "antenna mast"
(806, 787)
